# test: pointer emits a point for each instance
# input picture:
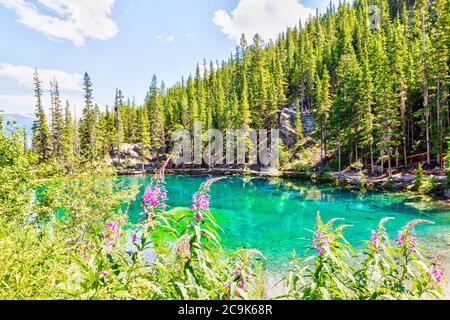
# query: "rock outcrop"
(129, 156)
(288, 134)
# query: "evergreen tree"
(344, 104)
(41, 140)
(439, 73)
(398, 53)
(88, 122)
(378, 92)
(386, 122)
(57, 122)
(245, 115)
(156, 117)
(68, 139)
(143, 136)
(298, 121)
(421, 29)
(201, 97)
(322, 113)
(192, 103)
(118, 123)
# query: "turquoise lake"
(274, 216)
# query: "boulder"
(378, 170)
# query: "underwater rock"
(418, 199)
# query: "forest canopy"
(374, 76)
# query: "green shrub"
(419, 180)
(187, 258)
(387, 271)
(421, 184)
(301, 166)
(419, 177)
(357, 165)
(284, 155)
(427, 186)
(67, 238)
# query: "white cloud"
(73, 20)
(69, 85)
(18, 102)
(22, 103)
(25, 104)
(168, 39)
(266, 17)
(24, 77)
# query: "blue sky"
(122, 43)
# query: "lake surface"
(274, 216)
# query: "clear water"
(275, 216)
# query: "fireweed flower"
(153, 202)
(413, 243)
(201, 200)
(238, 271)
(436, 274)
(242, 275)
(406, 240)
(400, 239)
(112, 226)
(406, 237)
(374, 240)
(200, 203)
(154, 198)
(112, 234)
(321, 242)
(198, 216)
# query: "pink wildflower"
(112, 226)
(198, 216)
(200, 203)
(154, 197)
(413, 243)
(436, 274)
(374, 240)
(400, 239)
(321, 242)
(405, 239)
(112, 233)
